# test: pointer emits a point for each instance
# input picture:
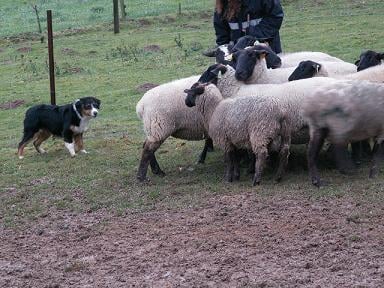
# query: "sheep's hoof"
(256, 182)
(159, 173)
(372, 174)
(229, 178)
(278, 179)
(236, 178)
(142, 178)
(319, 183)
(201, 161)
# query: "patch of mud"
(1, 50)
(145, 87)
(68, 51)
(11, 105)
(24, 49)
(144, 22)
(152, 48)
(242, 240)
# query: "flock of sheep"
(256, 101)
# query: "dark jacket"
(266, 17)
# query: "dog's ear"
(79, 106)
(98, 102)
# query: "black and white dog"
(67, 121)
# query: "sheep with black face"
(368, 59)
(247, 122)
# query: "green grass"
(94, 61)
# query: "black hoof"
(159, 173)
(319, 183)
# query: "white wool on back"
(293, 59)
(351, 110)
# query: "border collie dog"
(67, 121)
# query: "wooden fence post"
(51, 59)
(116, 25)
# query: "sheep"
(223, 53)
(293, 59)
(369, 58)
(250, 67)
(288, 95)
(343, 112)
(309, 68)
(164, 114)
(241, 123)
(373, 74)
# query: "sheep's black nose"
(241, 75)
(95, 114)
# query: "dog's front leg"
(68, 142)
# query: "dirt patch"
(231, 241)
(145, 87)
(74, 70)
(1, 50)
(68, 51)
(152, 48)
(24, 49)
(144, 22)
(11, 105)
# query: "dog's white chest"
(83, 126)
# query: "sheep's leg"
(208, 146)
(284, 150)
(343, 160)
(230, 159)
(283, 161)
(361, 150)
(209, 143)
(156, 167)
(148, 154)
(236, 165)
(261, 157)
(356, 152)
(314, 147)
(251, 165)
(377, 152)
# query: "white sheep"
(293, 59)
(249, 123)
(289, 96)
(164, 114)
(251, 68)
(343, 112)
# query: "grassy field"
(94, 61)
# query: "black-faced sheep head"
(368, 59)
(246, 60)
(196, 90)
(212, 74)
(305, 69)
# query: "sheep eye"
(87, 106)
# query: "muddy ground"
(242, 240)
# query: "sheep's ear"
(357, 62)
(210, 53)
(220, 69)
(380, 56)
(262, 53)
(187, 91)
(316, 66)
(235, 55)
(267, 41)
